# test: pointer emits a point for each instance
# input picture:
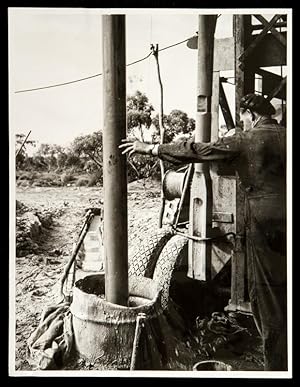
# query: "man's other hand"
(135, 146)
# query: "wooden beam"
(256, 27)
(267, 54)
(225, 108)
(276, 33)
(269, 82)
(244, 75)
(274, 93)
(244, 83)
(258, 38)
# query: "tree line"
(85, 153)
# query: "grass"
(52, 179)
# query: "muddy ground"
(37, 273)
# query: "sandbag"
(50, 344)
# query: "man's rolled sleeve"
(197, 152)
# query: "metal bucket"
(173, 183)
(106, 331)
(212, 365)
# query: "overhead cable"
(95, 75)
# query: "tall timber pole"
(114, 164)
(201, 190)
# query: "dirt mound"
(30, 226)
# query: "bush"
(142, 167)
(66, 178)
(96, 178)
(26, 175)
(46, 180)
(24, 183)
(82, 182)
(38, 179)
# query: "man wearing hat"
(259, 157)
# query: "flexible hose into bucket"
(75, 251)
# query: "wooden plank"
(238, 263)
(256, 27)
(274, 93)
(222, 217)
(215, 107)
(224, 54)
(269, 53)
(225, 109)
(244, 84)
(270, 81)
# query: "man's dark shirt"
(258, 155)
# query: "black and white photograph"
(150, 192)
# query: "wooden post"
(244, 75)
(244, 84)
(215, 104)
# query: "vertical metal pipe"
(206, 29)
(199, 261)
(114, 165)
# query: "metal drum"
(106, 330)
(173, 183)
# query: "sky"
(50, 46)
(55, 45)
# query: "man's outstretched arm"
(186, 151)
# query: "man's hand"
(233, 131)
(135, 146)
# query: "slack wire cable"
(76, 80)
(95, 75)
